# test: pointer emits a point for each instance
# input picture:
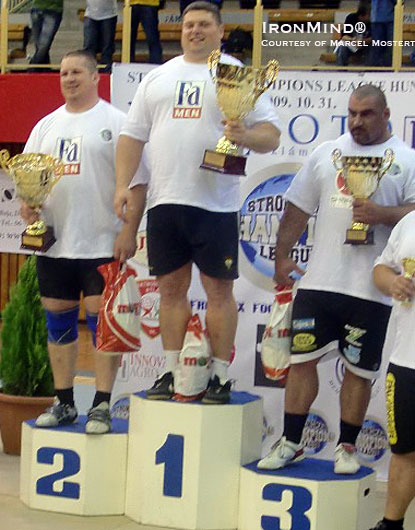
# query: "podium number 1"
(171, 455)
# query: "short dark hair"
(365, 91)
(90, 59)
(202, 5)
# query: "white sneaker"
(345, 459)
(99, 419)
(283, 452)
(57, 414)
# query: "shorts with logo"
(65, 279)
(400, 384)
(323, 321)
(178, 234)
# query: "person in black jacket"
(354, 40)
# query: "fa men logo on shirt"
(69, 151)
(188, 99)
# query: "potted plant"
(25, 375)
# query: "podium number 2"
(71, 466)
(171, 455)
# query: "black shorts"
(177, 234)
(400, 384)
(65, 279)
(323, 321)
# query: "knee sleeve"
(62, 326)
(92, 320)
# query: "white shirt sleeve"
(139, 120)
(264, 111)
(389, 256)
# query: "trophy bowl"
(362, 175)
(237, 90)
(34, 175)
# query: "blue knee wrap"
(92, 320)
(62, 326)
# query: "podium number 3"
(71, 465)
(171, 455)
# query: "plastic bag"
(193, 370)
(275, 347)
(118, 326)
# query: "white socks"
(172, 360)
(220, 368)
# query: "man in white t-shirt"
(83, 134)
(397, 259)
(337, 307)
(193, 212)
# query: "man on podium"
(193, 212)
(82, 134)
(337, 306)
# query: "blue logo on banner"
(315, 434)
(261, 213)
(372, 442)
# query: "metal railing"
(10, 6)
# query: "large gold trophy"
(34, 175)
(237, 89)
(408, 265)
(362, 175)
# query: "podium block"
(65, 470)
(305, 496)
(184, 460)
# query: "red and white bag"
(192, 374)
(118, 326)
(275, 347)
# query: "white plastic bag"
(276, 342)
(192, 374)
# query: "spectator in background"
(100, 23)
(381, 16)
(345, 50)
(185, 3)
(46, 17)
(147, 12)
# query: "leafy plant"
(24, 361)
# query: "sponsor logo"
(141, 256)
(106, 135)
(354, 335)
(304, 342)
(352, 353)
(129, 308)
(303, 324)
(315, 434)
(69, 151)
(228, 263)
(121, 407)
(372, 442)
(336, 382)
(188, 99)
(196, 361)
(150, 307)
(390, 408)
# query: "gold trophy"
(34, 175)
(362, 175)
(237, 89)
(409, 273)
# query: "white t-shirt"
(175, 110)
(335, 266)
(80, 206)
(101, 9)
(401, 330)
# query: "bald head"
(371, 91)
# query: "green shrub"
(24, 361)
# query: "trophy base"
(224, 163)
(39, 243)
(359, 237)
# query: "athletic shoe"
(58, 414)
(163, 388)
(380, 526)
(216, 393)
(99, 419)
(282, 453)
(345, 459)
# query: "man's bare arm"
(127, 160)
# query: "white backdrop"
(313, 108)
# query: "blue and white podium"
(307, 495)
(184, 460)
(65, 470)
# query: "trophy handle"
(213, 60)
(336, 159)
(266, 76)
(4, 158)
(388, 158)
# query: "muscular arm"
(127, 160)
(261, 137)
(371, 213)
(293, 224)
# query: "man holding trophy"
(82, 134)
(337, 307)
(193, 211)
